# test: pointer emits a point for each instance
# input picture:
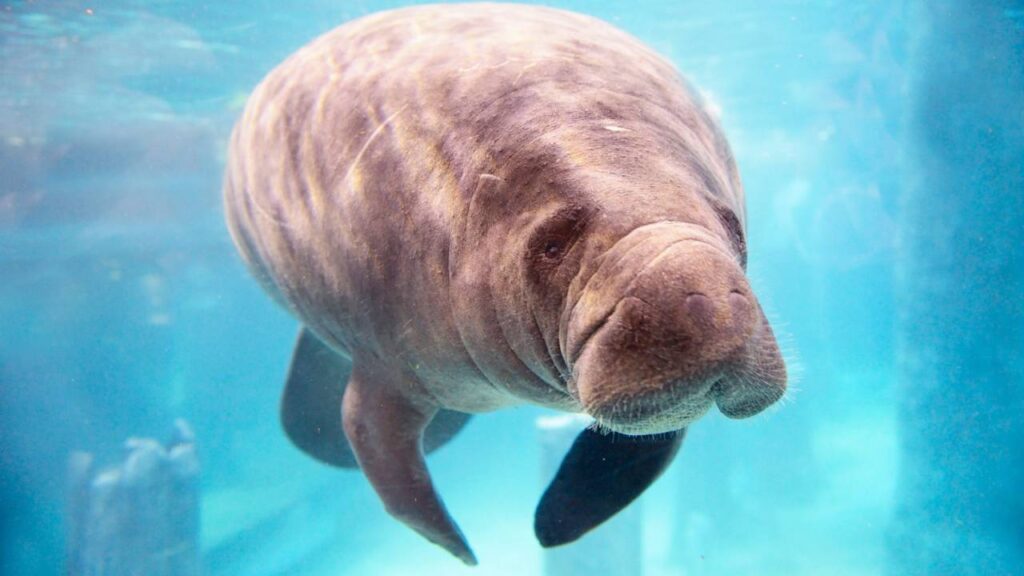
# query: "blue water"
(123, 305)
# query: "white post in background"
(616, 546)
(140, 517)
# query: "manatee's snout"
(667, 325)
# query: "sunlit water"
(123, 305)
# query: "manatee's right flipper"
(311, 405)
(601, 475)
(384, 426)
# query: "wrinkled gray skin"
(486, 205)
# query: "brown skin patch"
(498, 204)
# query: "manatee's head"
(656, 319)
(662, 325)
(633, 303)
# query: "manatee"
(470, 207)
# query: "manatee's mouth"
(672, 402)
(666, 326)
(577, 346)
(742, 396)
(651, 403)
(662, 402)
(676, 405)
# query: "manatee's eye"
(735, 229)
(553, 239)
(553, 250)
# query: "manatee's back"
(354, 157)
(334, 181)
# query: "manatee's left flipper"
(311, 405)
(385, 426)
(601, 475)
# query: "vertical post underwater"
(961, 296)
(139, 517)
(614, 547)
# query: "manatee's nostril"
(701, 310)
(743, 316)
(742, 310)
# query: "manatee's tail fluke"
(311, 405)
(602, 474)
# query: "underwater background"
(880, 145)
